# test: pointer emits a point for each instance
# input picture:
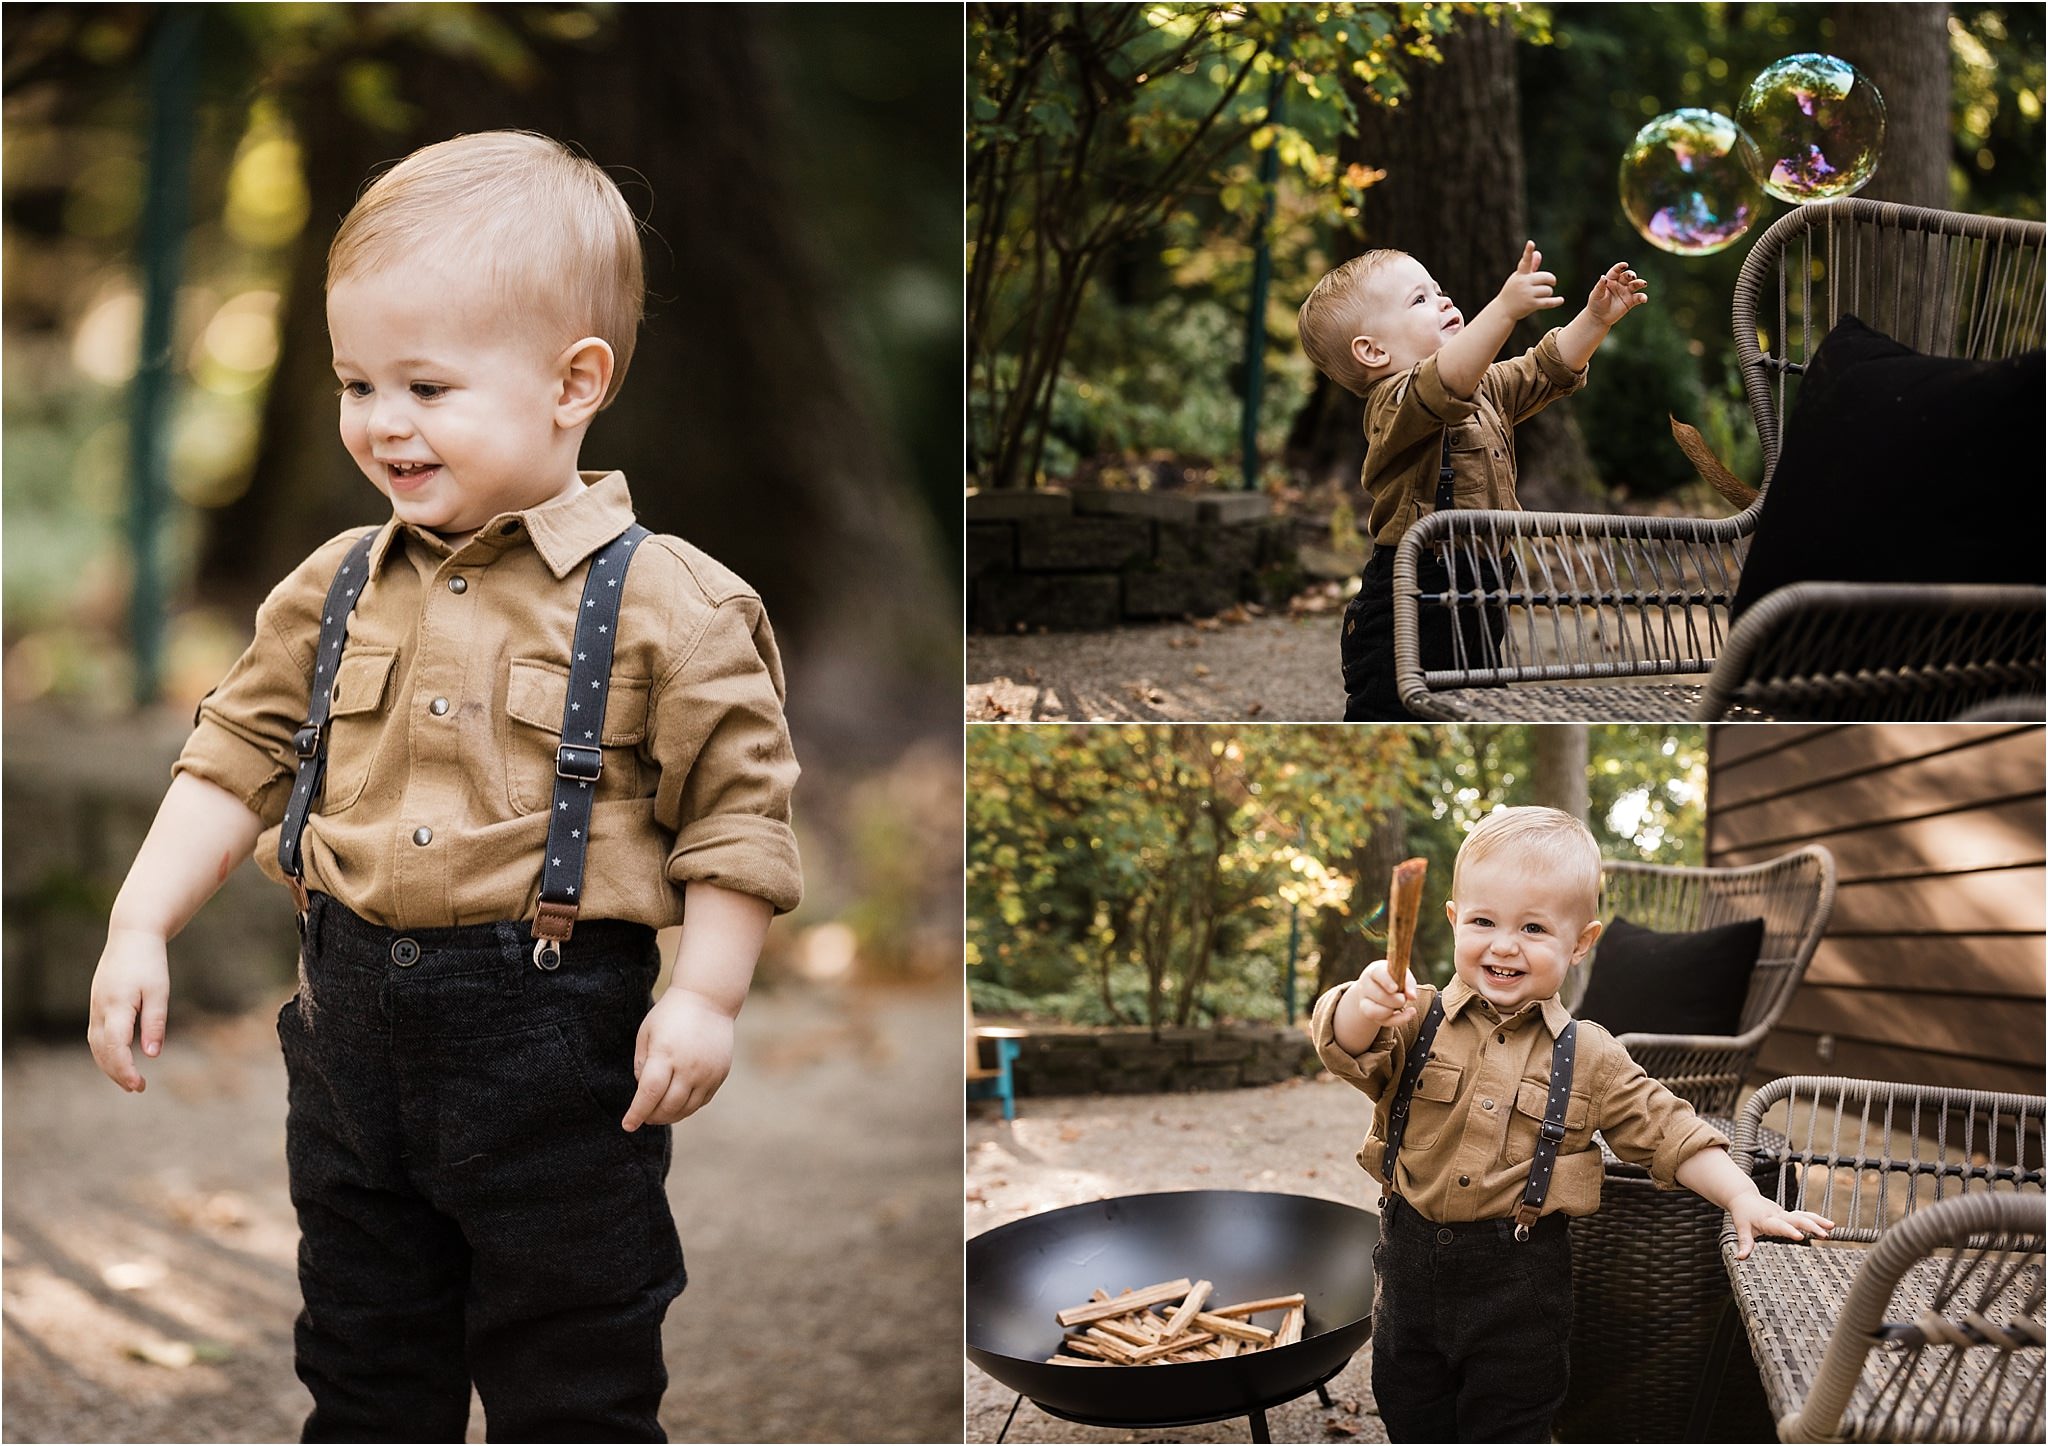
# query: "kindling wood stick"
(1254, 1307)
(1072, 1361)
(1404, 907)
(1178, 1321)
(1123, 1304)
(1290, 1328)
(1224, 1325)
(1112, 1348)
(1124, 1331)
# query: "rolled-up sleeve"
(1524, 385)
(1646, 1124)
(1412, 408)
(727, 767)
(1370, 1072)
(241, 739)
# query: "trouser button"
(405, 953)
(1444, 1237)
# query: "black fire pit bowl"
(1251, 1244)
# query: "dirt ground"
(149, 1241)
(1275, 669)
(1297, 1137)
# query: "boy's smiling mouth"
(408, 475)
(1505, 975)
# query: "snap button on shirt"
(422, 836)
(405, 953)
(458, 584)
(438, 707)
(1483, 1104)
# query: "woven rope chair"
(1921, 1318)
(1627, 617)
(1650, 1297)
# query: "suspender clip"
(574, 760)
(1521, 1232)
(547, 954)
(307, 740)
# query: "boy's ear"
(1588, 937)
(1368, 353)
(1451, 911)
(586, 375)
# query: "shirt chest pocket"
(1525, 1125)
(358, 707)
(1434, 1101)
(1477, 460)
(536, 698)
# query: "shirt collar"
(564, 532)
(1457, 994)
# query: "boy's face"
(1406, 317)
(449, 407)
(1518, 924)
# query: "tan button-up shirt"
(1407, 413)
(448, 708)
(1478, 1108)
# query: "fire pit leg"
(1009, 1418)
(1259, 1432)
(1323, 1394)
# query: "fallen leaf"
(1340, 1428)
(974, 1195)
(1201, 670)
(1254, 709)
(1208, 625)
(1071, 1133)
(1198, 1169)
(1311, 1172)
(171, 1355)
(1350, 1406)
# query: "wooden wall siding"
(1932, 969)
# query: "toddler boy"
(1482, 1139)
(1440, 415)
(491, 746)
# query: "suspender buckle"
(307, 740)
(575, 760)
(1553, 1131)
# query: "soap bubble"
(1688, 182)
(1818, 125)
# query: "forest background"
(1187, 875)
(1124, 160)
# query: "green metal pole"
(1262, 280)
(173, 53)
(1293, 945)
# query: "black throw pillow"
(1647, 982)
(1898, 467)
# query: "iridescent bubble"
(1818, 125)
(1688, 182)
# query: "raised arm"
(201, 832)
(1463, 361)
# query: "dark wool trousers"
(1470, 1328)
(1367, 643)
(469, 1209)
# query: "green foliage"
(1136, 874)
(1089, 125)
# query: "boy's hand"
(1754, 1216)
(1616, 294)
(1376, 999)
(1531, 289)
(681, 1058)
(132, 982)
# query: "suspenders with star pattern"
(579, 757)
(1530, 1207)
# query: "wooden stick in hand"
(1404, 907)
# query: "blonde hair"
(544, 226)
(1549, 837)
(1332, 316)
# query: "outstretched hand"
(1754, 1216)
(1531, 289)
(1616, 294)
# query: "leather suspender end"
(299, 895)
(555, 921)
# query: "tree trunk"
(1903, 49)
(741, 426)
(1453, 197)
(1559, 776)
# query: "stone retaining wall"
(1093, 559)
(1131, 1061)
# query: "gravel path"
(150, 1286)
(1297, 1137)
(1275, 669)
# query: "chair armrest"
(1879, 651)
(1574, 596)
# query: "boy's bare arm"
(201, 832)
(685, 1047)
(1713, 1176)
(1462, 362)
(1618, 292)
